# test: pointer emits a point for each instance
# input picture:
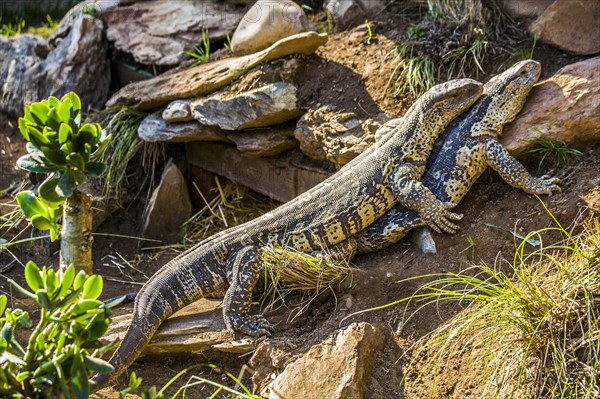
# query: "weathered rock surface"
(169, 207)
(268, 105)
(279, 178)
(154, 128)
(349, 12)
(266, 22)
(337, 368)
(194, 329)
(158, 32)
(178, 111)
(571, 26)
(207, 78)
(524, 9)
(30, 70)
(264, 142)
(564, 107)
(337, 137)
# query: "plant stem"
(76, 237)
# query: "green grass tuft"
(546, 149)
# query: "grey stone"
(266, 22)
(352, 12)
(264, 142)
(337, 137)
(524, 9)
(158, 32)
(268, 105)
(178, 111)
(154, 128)
(564, 107)
(337, 368)
(169, 207)
(31, 71)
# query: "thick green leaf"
(3, 302)
(98, 365)
(79, 176)
(66, 184)
(92, 287)
(54, 120)
(53, 102)
(41, 222)
(79, 378)
(79, 280)
(40, 111)
(75, 161)
(89, 134)
(7, 332)
(55, 156)
(102, 144)
(65, 109)
(74, 98)
(42, 298)
(33, 163)
(30, 204)
(47, 191)
(23, 128)
(33, 277)
(64, 133)
(67, 280)
(52, 282)
(95, 169)
(36, 137)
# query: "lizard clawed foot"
(543, 185)
(437, 216)
(254, 325)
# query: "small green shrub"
(64, 348)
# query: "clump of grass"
(412, 72)
(287, 271)
(546, 149)
(123, 124)
(12, 28)
(202, 53)
(532, 333)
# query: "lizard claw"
(543, 185)
(438, 217)
(251, 325)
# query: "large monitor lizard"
(462, 153)
(326, 215)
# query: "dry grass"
(531, 334)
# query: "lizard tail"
(176, 285)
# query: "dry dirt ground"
(351, 76)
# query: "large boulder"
(268, 105)
(32, 70)
(564, 107)
(524, 9)
(572, 26)
(158, 32)
(266, 22)
(337, 137)
(208, 78)
(337, 368)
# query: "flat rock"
(572, 26)
(169, 206)
(266, 22)
(154, 128)
(207, 78)
(31, 70)
(268, 105)
(158, 32)
(194, 329)
(264, 142)
(281, 178)
(337, 368)
(564, 107)
(178, 111)
(335, 136)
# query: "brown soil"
(351, 75)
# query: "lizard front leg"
(246, 268)
(412, 194)
(515, 174)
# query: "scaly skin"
(327, 215)
(462, 153)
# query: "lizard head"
(444, 102)
(507, 92)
